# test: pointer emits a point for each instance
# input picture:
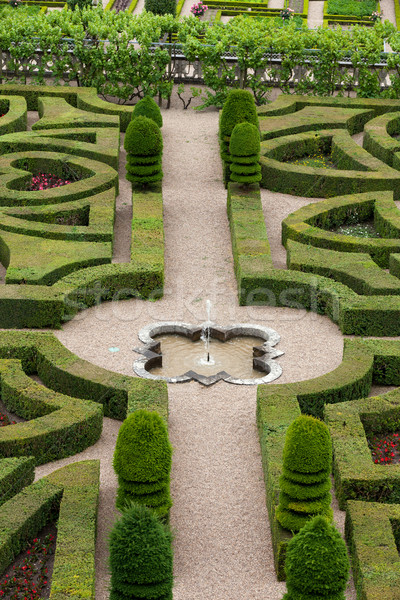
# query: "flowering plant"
(286, 13)
(385, 450)
(28, 578)
(376, 16)
(14, 3)
(44, 181)
(198, 9)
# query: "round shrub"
(147, 107)
(143, 143)
(161, 7)
(142, 461)
(238, 107)
(140, 556)
(305, 480)
(143, 137)
(244, 148)
(308, 446)
(316, 564)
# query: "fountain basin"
(263, 355)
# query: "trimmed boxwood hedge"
(15, 474)
(14, 113)
(259, 283)
(356, 474)
(57, 426)
(357, 271)
(64, 372)
(311, 224)
(364, 362)
(56, 113)
(71, 495)
(74, 573)
(372, 532)
(81, 97)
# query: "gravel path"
(222, 539)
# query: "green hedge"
(101, 144)
(356, 474)
(373, 536)
(279, 404)
(74, 573)
(80, 97)
(71, 494)
(15, 114)
(57, 113)
(259, 283)
(15, 474)
(24, 515)
(356, 172)
(357, 271)
(57, 425)
(311, 224)
(64, 372)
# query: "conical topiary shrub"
(239, 107)
(317, 566)
(140, 557)
(147, 107)
(305, 482)
(143, 143)
(244, 149)
(142, 461)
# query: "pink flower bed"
(44, 181)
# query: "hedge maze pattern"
(57, 246)
(352, 279)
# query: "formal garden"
(219, 179)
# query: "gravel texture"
(222, 538)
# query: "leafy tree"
(305, 482)
(140, 556)
(142, 461)
(316, 564)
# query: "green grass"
(351, 7)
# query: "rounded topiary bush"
(140, 556)
(244, 149)
(143, 143)
(142, 461)
(147, 107)
(316, 564)
(239, 107)
(161, 7)
(305, 480)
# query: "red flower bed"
(385, 449)
(4, 420)
(44, 181)
(27, 580)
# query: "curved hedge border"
(364, 362)
(311, 224)
(356, 475)
(67, 292)
(58, 425)
(357, 170)
(83, 98)
(373, 537)
(64, 372)
(357, 271)
(101, 144)
(259, 283)
(15, 114)
(71, 493)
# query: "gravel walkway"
(222, 539)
